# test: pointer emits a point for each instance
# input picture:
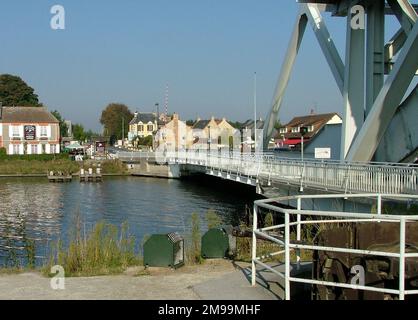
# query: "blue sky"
(126, 51)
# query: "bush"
(32, 157)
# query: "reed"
(193, 254)
(104, 250)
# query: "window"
(15, 131)
(53, 149)
(16, 149)
(283, 130)
(34, 149)
(140, 128)
(310, 128)
(150, 128)
(295, 130)
(44, 132)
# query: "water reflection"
(34, 209)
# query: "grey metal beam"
(401, 137)
(387, 102)
(326, 43)
(354, 90)
(405, 13)
(287, 67)
(375, 62)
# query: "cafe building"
(29, 130)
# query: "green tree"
(113, 117)
(63, 125)
(278, 125)
(15, 92)
(78, 132)
(90, 135)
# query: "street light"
(209, 141)
(303, 131)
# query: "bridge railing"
(342, 176)
(300, 220)
(392, 178)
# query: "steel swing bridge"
(379, 139)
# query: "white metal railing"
(347, 177)
(329, 217)
(340, 176)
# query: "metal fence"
(328, 217)
(340, 176)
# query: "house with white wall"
(29, 130)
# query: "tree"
(63, 125)
(78, 132)
(113, 116)
(15, 92)
(278, 125)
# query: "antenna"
(255, 112)
(166, 102)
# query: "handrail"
(347, 177)
(329, 217)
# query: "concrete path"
(237, 285)
(214, 280)
(156, 284)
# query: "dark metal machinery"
(380, 272)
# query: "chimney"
(198, 119)
(212, 118)
(175, 116)
(224, 119)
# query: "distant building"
(29, 130)
(69, 128)
(142, 125)
(324, 131)
(175, 134)
(213, 129)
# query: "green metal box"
(217, 243)
(164, 250)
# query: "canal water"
(34, 209)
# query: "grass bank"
(41, 164)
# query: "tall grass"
(105, 250)
(213, 219)
(192, 253)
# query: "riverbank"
(38, 167)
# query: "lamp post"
(123, 131)
(209, 141)
(303, 131)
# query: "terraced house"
(29, 130)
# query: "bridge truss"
(373, 79)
